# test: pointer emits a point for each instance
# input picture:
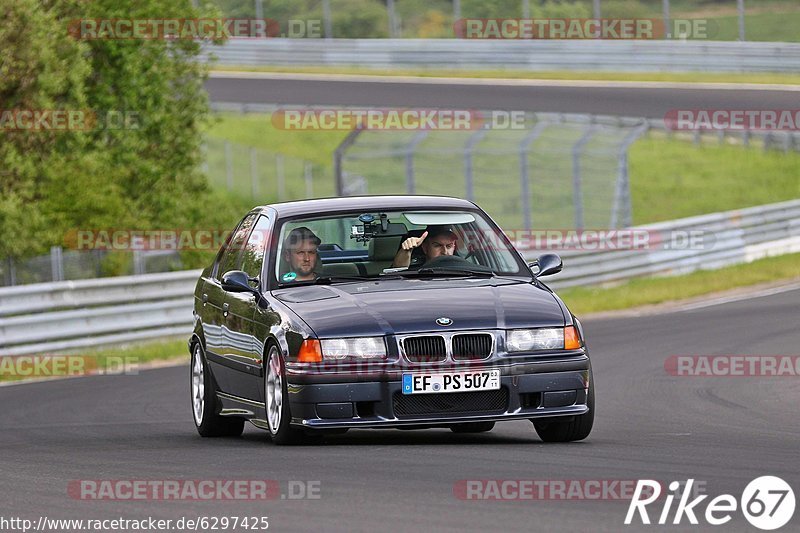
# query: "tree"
(144, 175)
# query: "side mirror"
(548, 264)
(237, 281)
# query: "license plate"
(451, 382)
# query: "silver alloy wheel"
(198, 386)
(274, 391)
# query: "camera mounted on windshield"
(365, 231)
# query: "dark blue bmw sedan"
(318, 316)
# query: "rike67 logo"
(767, 503)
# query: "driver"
(300, 252)
(436, 241)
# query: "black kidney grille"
(473, 346)
(493, 401)
(429, 349)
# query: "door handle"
(225, 309)
(205, 299)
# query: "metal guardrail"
(631, 56)
(78, 314)
(728, 238)
(48, 317)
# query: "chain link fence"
(435, 18)
(261, 176)
(63, 265)
(557, 172)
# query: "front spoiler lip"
(388, 423)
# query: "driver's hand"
(413, 242)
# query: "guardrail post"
(326, 18)
(138, 263)
(577, 194)
(254, 173)
(622, 190)
(524, 178)
(281, 178)
(12, 272)
(740, 8)
(309, 177)
(228, 166)
(410, 149)
(338, 156)
(57, 263)
(204, 152)
(392, 18)
(469, 148)
(667, 29)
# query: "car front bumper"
(529, 388)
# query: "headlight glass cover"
(354, 348)
(531, 340)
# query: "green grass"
(760, 27)
(121, 358)
(648, 291)
(673, 178)
(256, 130)
(674, 77)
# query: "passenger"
(434, 242)
(300, 253)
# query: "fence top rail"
(96, 283)
(456, 44)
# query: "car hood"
(407, 306)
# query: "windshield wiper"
(323, 280)
(446, 272)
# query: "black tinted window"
(253, 255)
(230, 258)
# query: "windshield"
(367, 245)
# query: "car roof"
(367, 203)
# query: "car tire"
(276, 402)
(204, 401)
(570, 428)
(472, 427)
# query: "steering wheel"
(452, 262)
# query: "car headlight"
(531, 340)
(357, 347)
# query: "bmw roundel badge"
(444, 321)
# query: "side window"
(253, 255)
(230, 257)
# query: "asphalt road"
(721, 431)
(650, 101)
